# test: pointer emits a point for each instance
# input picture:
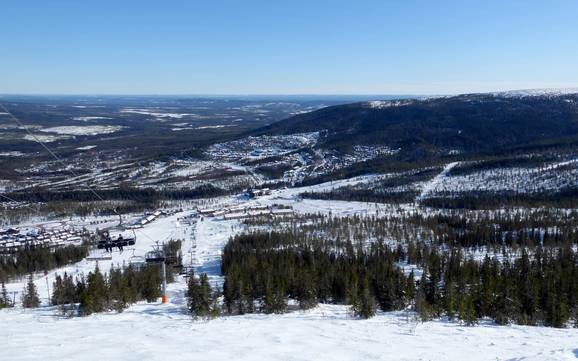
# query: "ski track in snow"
(167, 332)
(431, 185)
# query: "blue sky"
(286, 47)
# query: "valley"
(307, 227)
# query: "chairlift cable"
(14, 200)
(60, 160)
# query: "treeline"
(562, 198)
(264, 270)
(508, 230)
(114, 291)
(363, 195)
(39, 258)
(486, 231)
(383, 192)
(524, 160)
(541, 289)
(146, 195)
(55, 204)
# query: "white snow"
(215, 126)
(537, 92)
(156, 114)
(382, 104)
(165, 332)
(86, 119)
(546, 177)
(45, 138)
(11, 154)
(87, 147)
(433, 184)
(83, 130)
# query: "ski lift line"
(60, 160)
(146, 235)
(50, 151)
(55, 156)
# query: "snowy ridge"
(536, 92)
(382, 104)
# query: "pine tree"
(228, 293)
(57, 291)
(280, 300)
(95, 297)
(269, 302)
(215, 309)
(117, 286)
(450, 300)
(149, 283)
(307, 295)
(4, 298)
(365, 305)
(206, 296)
(422, 307)
(200, 296)
(248, 298)
(353, 291)
(467, 311)
(410, 287)
(30, 297)
(130, 293)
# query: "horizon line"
(424, 94)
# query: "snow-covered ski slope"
(431, 185)
(158, 332)
(328, 332)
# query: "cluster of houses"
(13, 239)
(147, 218)
(248, 212)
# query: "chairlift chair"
(186, 271)
(136, 261)
(155, 256)
(100, 257)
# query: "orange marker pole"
(165, 298)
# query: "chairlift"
(108, 244)
(100, 257)
(186, 271)
(155, 256)
(136, 260)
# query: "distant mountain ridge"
(466, 123)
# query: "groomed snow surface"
(167, 332)
(164, 332)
